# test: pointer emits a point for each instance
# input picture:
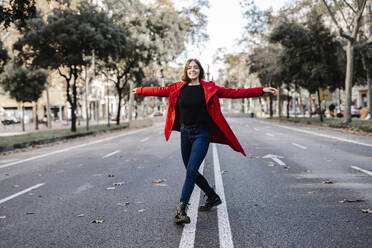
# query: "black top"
(192, 107)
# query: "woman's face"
(193, 70)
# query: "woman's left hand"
(271, 91)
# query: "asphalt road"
(274, 197)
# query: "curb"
(132, 125)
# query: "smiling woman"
(194, 110)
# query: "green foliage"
(22, 84)
(3, 57)
(17, 12)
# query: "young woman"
(194, 110)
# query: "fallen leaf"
(159, 180)
(270, 164)
(81, 215)
(223, 172)
(16, 186)
(328, 182)
(123, 204)
(97, 175)
(286, 167)
(97, 221)
(160, 184)
(346, 200)
(140, 167)
(141, 210)
(311, 192)
(110, 188)
(110, 175)
(118, 184)
(29, 213)
(367, 211)
(3, 217)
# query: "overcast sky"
(225, 27)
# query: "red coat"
(220, 132)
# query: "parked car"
(10, 121)
(355, 111)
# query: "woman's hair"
(185, 77)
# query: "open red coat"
(220, 132)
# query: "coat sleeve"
(239, 93)
(153, 91)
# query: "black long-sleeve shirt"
(192, 107)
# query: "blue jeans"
(194, 148)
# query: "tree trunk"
(48, 107)
(23, 117)
(131, 100)
(74, 104)
(369, 79)
(36, 119)
(288, 102)
(119, 109)
(320, 106)
(279, 103)
(271, 107)
(348, 81)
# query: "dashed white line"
(145, 139)
(224, 230)
(21, 193)
(269, 134)
(68, 149)
(110, 154)
(188, 233)
(300, 146)
(362, 170)
(326, 136)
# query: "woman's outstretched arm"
(151, 91)
(244, 93)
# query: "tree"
(310, 54)
(66, 43)
(3, 57)
(352, 24)
(17, 11)
(22, 84)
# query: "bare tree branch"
(357, 18)
(364, 43)
(341, 31)
(351, 7)
(342, 14)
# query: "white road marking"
(325, 135)
(8, 160)
(362, 170)
(300, 146)
(68, 149)
(110, 154)
(21, 193)
(269, 134)
(275, 158)
(145, 139)
(188, 233)
(224, 230)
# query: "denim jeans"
(194, 148)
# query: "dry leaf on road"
(110, 175)
(16, 186)
(159, 180)
(110, 188)
(141, 210)
(346, 200)
(160, 184)
(328, 182)
(118, 184)
(367, 211)
(81, 215)
(123, 204)
(97, 221)
(29, 213)
(3, 217)
(270, 164)
(224, 171)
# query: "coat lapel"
(209, 90)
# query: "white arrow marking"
(275, 158)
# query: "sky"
(225, 27)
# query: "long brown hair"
(185, 77)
